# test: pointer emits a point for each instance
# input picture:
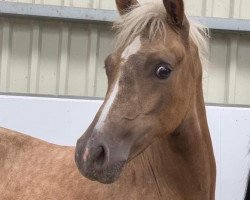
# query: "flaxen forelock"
(153, 16)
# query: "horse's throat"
(178, 165)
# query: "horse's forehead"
(131, 49)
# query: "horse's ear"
(175, 10)
(123, 6)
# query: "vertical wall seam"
(236, 9)
(34, 56)
(9, 57)
(212, 8)
(237, 62)
(59, 58)
(63, 56)
(240, 7)
(68, 61)
(209, 8)
(1, 49)
(207, 71)
(232, 69)
(30, 58)
(92, 57)
(67, 3)
(86, 78)
(38, 1)
(226, 89)
(96, 64)
(5, 55)
(67, 49)
(204, 6)
(96, 3)
(39, 59)
(231, 10)
(93, 37)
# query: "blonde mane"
(152, 15)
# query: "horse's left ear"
(175, 10)
(123, 6)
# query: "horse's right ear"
(123, 6)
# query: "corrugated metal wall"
(227, 79)
(53, 58)
(41, 57)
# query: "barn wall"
(226, 80)
(51, 58)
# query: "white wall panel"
(63, 121)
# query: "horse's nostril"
(100, 156)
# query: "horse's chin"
(106, 175)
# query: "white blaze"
(133, 48)
(107, 106)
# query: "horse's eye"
(163, 71)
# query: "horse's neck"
(178, 165)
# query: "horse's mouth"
(107, 174)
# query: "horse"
(150, 138)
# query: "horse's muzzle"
(98, 161)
